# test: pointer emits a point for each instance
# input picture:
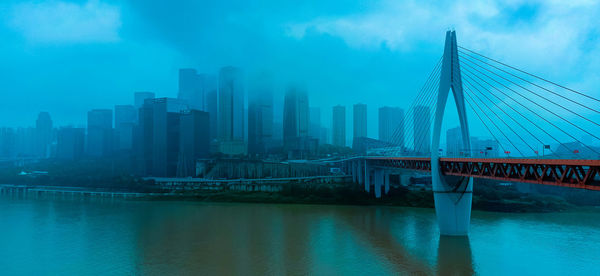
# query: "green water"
(120, 237)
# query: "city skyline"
(401, 68)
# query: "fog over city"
(270, 137)
(67, 57)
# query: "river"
(128, 237)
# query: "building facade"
(422, 129)
(231, 111)
(260, 117)
(391, 125)
(99, 132)
(43, 127)
(338, 127)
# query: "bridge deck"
(573, 173)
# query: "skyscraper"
(260, 116)
(99, 132)
(296, 122)
(191, 88)
(391, 125)
(194, 141)
(314, 129)
(125, 119)
(140, 97)
(43, 127)
(295, 116)
(231, 111)
(339, 126)
(211, 104)
(160, 130)
(422, 129)
(70, 143)
(360, 120)
(359, 114)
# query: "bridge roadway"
(572, 173)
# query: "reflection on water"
(75, 236)
(454, 256)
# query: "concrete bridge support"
(386, 182)
(379, 179)
(452, 195)
(359, 172)
(354, 171)
(367, 177)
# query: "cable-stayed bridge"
(524, 115)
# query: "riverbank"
(341, 194)
(349, 195)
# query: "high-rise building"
(192, 88)
(422, 129)
(140, 97)
(7, 143)
(454, 146)
(359, 113)
(339, 126)
(125, 120)
(160, 131)
(260, 116)
(99, 132)
(194, 141)
(359, 122)
(43, 127)
(314, 129)
(231, 111)
(70, 143)
(295, 116)
(391, 125)
(296, 122)
(211, 104)
(26, 142)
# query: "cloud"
(536, 34)
(60, 21)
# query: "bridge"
(523, 113)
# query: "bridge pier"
(453, 206)
(452, 194)
(367, 177)
(354, 171)
(386, 182)
(379, 179)
(359, 172)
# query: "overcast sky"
(67, 57)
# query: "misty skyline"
(68, 57)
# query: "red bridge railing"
(582, 174)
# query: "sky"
(67, 57)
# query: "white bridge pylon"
(452, 195)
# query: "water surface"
(92, 236)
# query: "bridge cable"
(474, 88)
(471, 94)
(537, 77)
(485, 125)
(423, 96)
(468, 75)
(525, 80)
(398, 133)
(492, 121)
(535, 113)
(557, 104)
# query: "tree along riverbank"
(487, 195)
(485, 198)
